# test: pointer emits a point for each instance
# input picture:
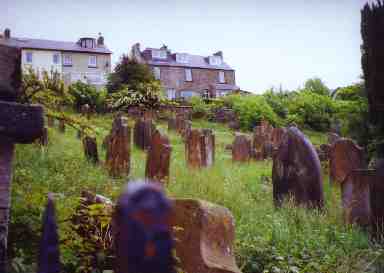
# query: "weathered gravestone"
(260, 138)
(241, 148)
(61, 126)
(200, 148)
(43, 139)
(18, 124)
(183, 125)
(172, 124)
(118, 156)
(356, 197)
(142, 231)
(143, 133)
(344, 156)
(204, 235)
(296, 171)
(90, 149)
(158, 158)
(277, 137)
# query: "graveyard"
(290, 239)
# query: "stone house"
(185, 75)
(87, 60)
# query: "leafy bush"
(278, 102)
(308, 109)
(199, 107)
(48, 90)
(87, 94)
(316, 85)
(351, 93)
(147, 95)
(251, 110)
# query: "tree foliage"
(317, 86)
(129, 72)
(87, 94)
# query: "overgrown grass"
(289, 239)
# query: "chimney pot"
(100, 40)
(7, 33)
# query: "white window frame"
(92, 61)
(182, 58)
(29, 57)
(215, 60)
(221, 77)
(67, 60)
(159, 54)
(188, 75)
(171, 93)
(157, 72)
(56, 61)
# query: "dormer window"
(215, 60)
(87, 43)
(182, 58)
(159, 54)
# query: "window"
(182, 58)
(188, 94)
(215, 60)
(28, 57)
(221, 77)
(157, 72)
(56, 58)
(159, 54)
(92, 61)
(188, 75)
(171, 94)
(67, 60)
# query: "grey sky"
(268, 42)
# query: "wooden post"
(43, 140)
(50, 121)
(19, 124)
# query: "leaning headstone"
(142, 232)
(344, 156)
(277, 137)
(118, 156)
(90, 149)
(241, 148)
(158, 158)
(296, 171)
(204, 234)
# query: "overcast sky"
(268, 42)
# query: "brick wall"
(10, 68)
(202, 79)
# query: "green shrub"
(251, 110)
(278, 102)
(87, 94)
(199, 107)
(311, 110)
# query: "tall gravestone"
(143, 133)
(158, 158)
(241, 148)
(118, 156)
(200, 148)
(296, 171)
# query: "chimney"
(219, 54)
(7, 33)
(136, 53)
(100, 41)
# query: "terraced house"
(186, 75)
(87, 60)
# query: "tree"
(129, 72)
(317, 86)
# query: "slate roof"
(27, 43)
(195, 61)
